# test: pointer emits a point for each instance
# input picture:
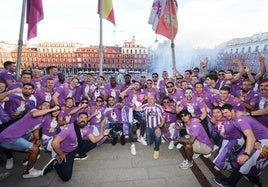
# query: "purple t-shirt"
(21, 127)
(18, 106)
(113, 91)
(227, 130)
(263, 103)
(50, 127)
(197, 130)
(178, 95)
(69, 137)
(42, 95)
(194, 106)
(7, 76)
(96, 120)
(246, 122)
(64, 92)
(113, 114)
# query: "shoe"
(179, 145)
(171, 145)
(25, 161)
(156, 154)
(122, 140)
(4, 175)
(114, 142)
(32, 173)
(49, 166)
(142, 141)
(9, 163)
(186, 164)
(207, 155)
(221, 182)
(138, 133)
(83, 157)
(215, 148)
(163, 139)
(195, 156)
(133, 149)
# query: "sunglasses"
(170, 86)
(221, 74)
(183, 115)
(84, 102)
(98, 100)
(179, 77)
(166, 102)
(143, 77)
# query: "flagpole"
(100, 45)
(172, 40)
(20, 41)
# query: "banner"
(34, 14)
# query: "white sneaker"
(163, 139)
(215, 148)
(9, 163)
(207, 155)
(186, 164)
(133, 149)
(195, 156)
(32, 173)
(171, 145)
(179, 145)
(138, 132)
(142, 141)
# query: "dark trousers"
(236, 175)
(65, 169)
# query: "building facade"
(246, 49)
(73, 57)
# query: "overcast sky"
(202, 23)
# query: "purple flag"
(34, 15)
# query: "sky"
(202, 23)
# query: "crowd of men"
(223, 111)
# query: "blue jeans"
(151, 138)
(115, 129)
(139, 116)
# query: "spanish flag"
(107, 10)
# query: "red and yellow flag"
(107, 10)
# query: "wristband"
(245, 153)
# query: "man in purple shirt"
(196, 141)
(253, 158)
(113, 120)
(15, 137)
(45, 93)
(74, 138)
(51, 73)
(17, 105)
(8, 74)
(232, 139)
(261, 113)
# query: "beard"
(82, 124)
